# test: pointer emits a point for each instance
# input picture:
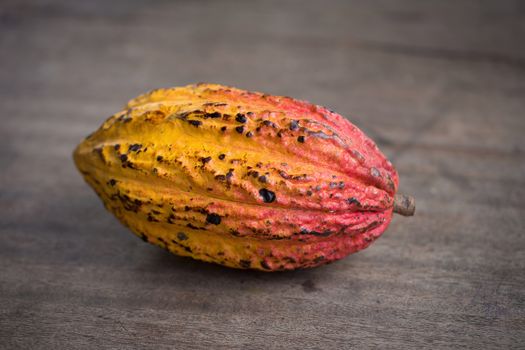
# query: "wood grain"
(440, 85)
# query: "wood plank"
(438, 84)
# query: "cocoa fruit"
(242, 179)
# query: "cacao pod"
(242, 179)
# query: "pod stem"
(404, 205)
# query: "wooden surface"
(440, 85)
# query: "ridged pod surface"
(239, 178)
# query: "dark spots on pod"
(241, 118)
(220, 177)
(112, 182)
(235, 233)
(245, 263)
(294, 125)
(278, 238)
(319, 259)
(216, 104)
(253, 173)
(325, 233)
(213, 115)
(223, 129)
(151, 218)
(155, 212)
(284, 175)
(375, 172)
(390, 183)
(258, 129)
(195, 123)
(134, 147)
(205, 160)
(124, 159)
(190, 225)
(290, 259)
(171, 219)
(181, 116)
(267, 195)
(300, 177)
(259, 165)
(240, 129)
(144, 237)
(353, 200)
(269, 123)
(116, 147)
(181, 245)
(186, 248)
(265, 265)
(300, 139)
(159, 158)
(309, 193)
(184, 115)
(249, 134)
(209, 189)
(213, 219)
(339, 185)
(186, 208)
(222, 156)
(220, 253)
(124, 118)
(182, 236)
(229, 174)
(263, 179)
(279, 134)
(201, 210)
(358, 155)
(128, 164)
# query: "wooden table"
(440, 85)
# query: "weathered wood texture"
(440, 85)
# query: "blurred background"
(439, 85)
